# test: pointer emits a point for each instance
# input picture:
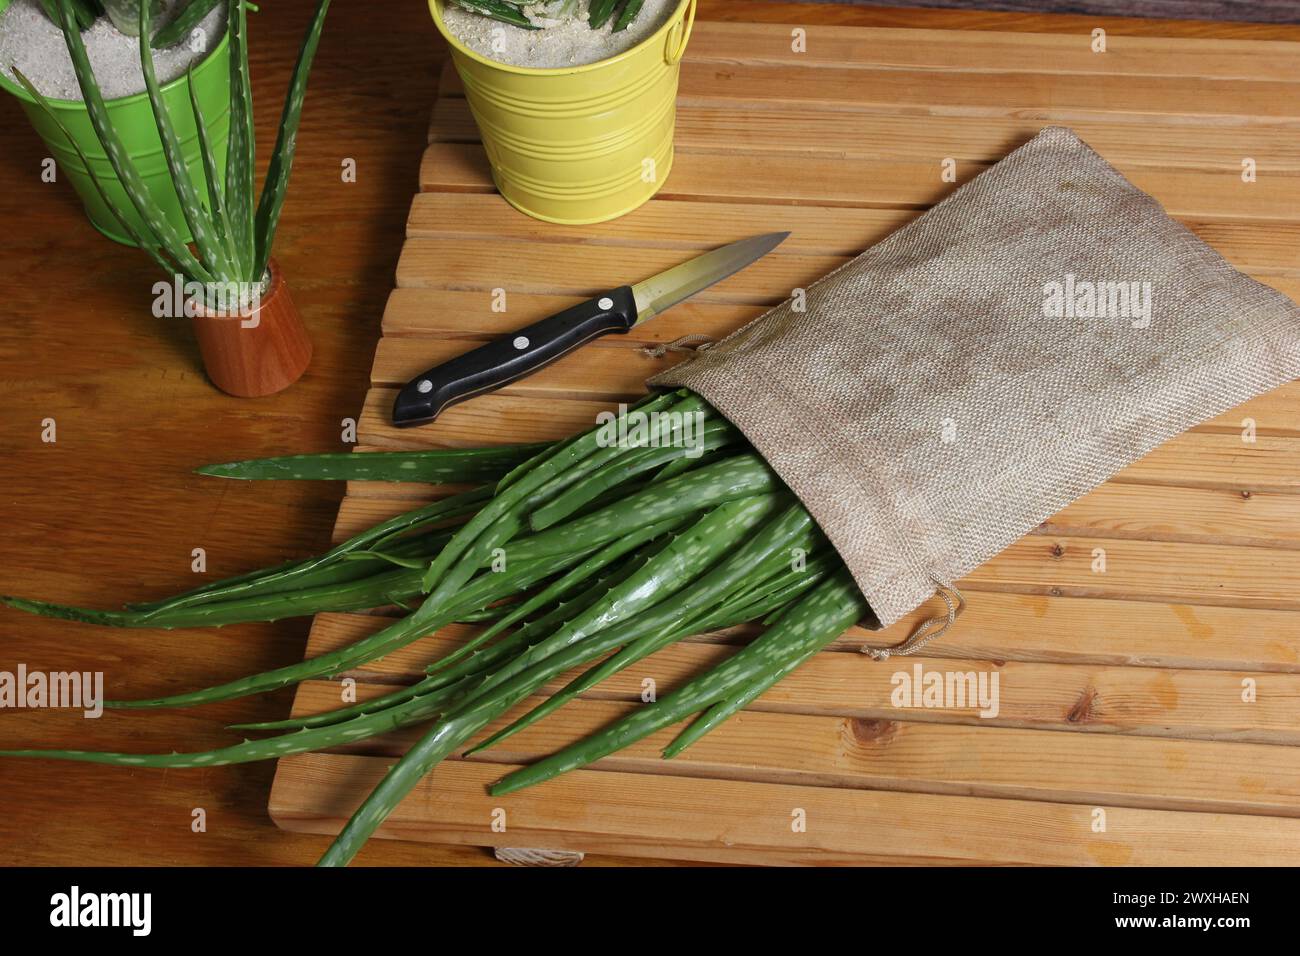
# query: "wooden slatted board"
(1148, 715)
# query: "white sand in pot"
(569, 42)
(36, 46)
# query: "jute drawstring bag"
(966, 378)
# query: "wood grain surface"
(111, 511)
(833, 143)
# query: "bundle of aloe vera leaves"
(583, 553)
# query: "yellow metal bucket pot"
(578, 144)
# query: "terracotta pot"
(260, 353)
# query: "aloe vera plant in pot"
(191, 33)
(251, 335)
(575, 102)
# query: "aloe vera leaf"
(565, 585)
(458, 725)
(649, 634)
(716, 434)
(358, 594)
(541, 627)
(164, 233)
(489, 701)
(737, 476)
(181, 24)
(216, 201)
(201, 225)
(241, 149)
(486, 589)
(818, 618)
(650, 402)
(762, 557)
(497, 10)
(599, 12)
(291, 575)
(467, 674)
(426, 690)
(365, 725)
(628, 15)
(83, 9)
(277, 174)
(435, 466)
(718, 713)
(485, 531)
(679, 566)
(544, 480)
(724, 709)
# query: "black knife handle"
(512, 357)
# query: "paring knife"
(512, 357)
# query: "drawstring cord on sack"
(687, 343)
(924, 634)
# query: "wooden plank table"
(1123, 693)
(111, 511)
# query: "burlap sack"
(951, 388)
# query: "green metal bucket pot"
(133, 119)
(584, 143)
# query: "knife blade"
(512, 357)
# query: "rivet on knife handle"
(512, 357)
